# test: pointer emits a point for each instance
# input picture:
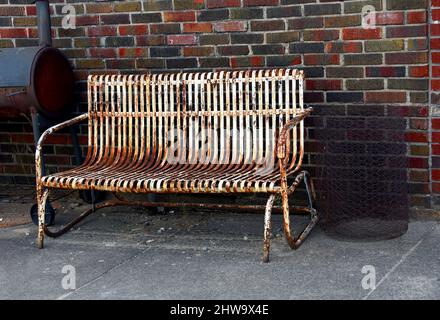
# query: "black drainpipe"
(44, 25)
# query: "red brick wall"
(435, 100)
(351, 71)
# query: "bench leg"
(267, 227)
(293, 242)
(42, 195)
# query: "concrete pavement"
(123, 253)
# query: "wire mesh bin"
(362, 170)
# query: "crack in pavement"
(402, 260)
(68, 294)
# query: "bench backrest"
(217, 117)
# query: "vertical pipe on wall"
(44, 25)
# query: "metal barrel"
(35, 77)
(38, 78)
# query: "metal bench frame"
(132, 117)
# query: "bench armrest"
(281, 143)
(48, 132)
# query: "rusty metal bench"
(217, 132)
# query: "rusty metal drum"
(35, 77)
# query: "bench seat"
(175, 178)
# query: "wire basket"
(362, 178)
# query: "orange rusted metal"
(214, 132)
